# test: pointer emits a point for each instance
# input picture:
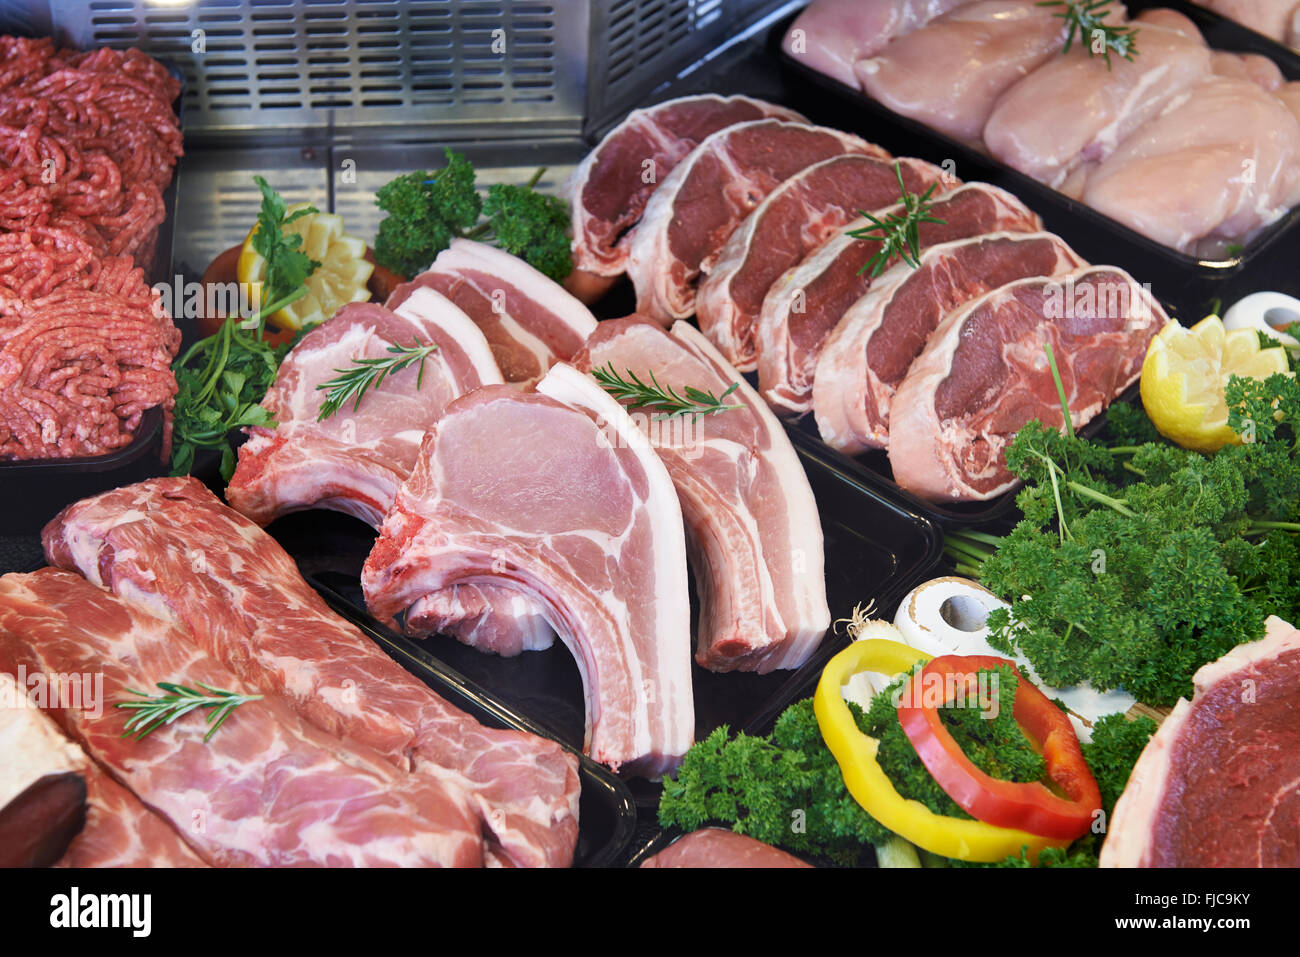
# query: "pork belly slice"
(1235, 146)
(880, 336)
(354, 461)
(559, 496)
(702, 201)
(267, 789)
(753, 534)
(797, 217)
(830, 36)
(719, 847)
(42, 782)
(984, 374)
(610, 188)
(529, 321)
(169, 546)
(1074, 110)
(1219, 783)
(806, 303)
(949, 73)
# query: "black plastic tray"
(872, 468)
(1178, 279)
(877, 547)
(606, 813)
(44, 486)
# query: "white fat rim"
(433, 310)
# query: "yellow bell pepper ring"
(855, 752)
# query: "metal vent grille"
(355, 63)
(638, 45)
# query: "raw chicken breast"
(1216, 166)
(949, 74)
(1074, 110)
(1248, 66)
(1273, 18)
(831, 35)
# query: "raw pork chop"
(874, 345)
(804, 306)
(1219, 783)
(832, 35)
(170, 546)
(267, 789)
(1075, 109)
(1235, 148)
(949, 74)
(354, 461)
(529, 321)
(610, 188)
(796, 218)
(699, 204)
(558, 495)
(984, 374)
(753, 533)
(718, 847)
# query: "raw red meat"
(610, 188)
(121, 832)
(869, 353)
(1219, 783)
(170, 546)
(529, 321)
(558, 495)
(266, 789)
(805, 304)
(753, 532)
(984, 374)
(797, 217)
(718, 847)
(698, 205)
(83, 361)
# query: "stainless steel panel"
(638, 46)
(254, 64)
(218, 200)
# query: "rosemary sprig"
(637, 394)
(1086, 19)
(364, 374)
(153, 711)
(898, 233)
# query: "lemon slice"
(340, 278)
(1184, 375)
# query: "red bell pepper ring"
(1028, 806)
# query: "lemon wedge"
(1184, 374)
(340, 278)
